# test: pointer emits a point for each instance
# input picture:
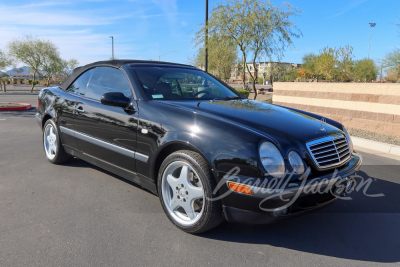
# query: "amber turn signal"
(240, 188)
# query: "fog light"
(296, 162)
(280, 211)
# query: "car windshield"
(161, 83)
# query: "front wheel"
(185, 186)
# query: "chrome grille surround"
(329, 151)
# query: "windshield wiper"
(229, 98)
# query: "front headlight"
(272, 160)
(348, 139)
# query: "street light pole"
(206, 39)
(264, 71)
(112, 42)
(370, 31)
(166, 53)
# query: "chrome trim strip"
(106, 145)
(141, 157)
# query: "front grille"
(329, 151)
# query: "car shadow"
(78, 163)
(364, 228)
(22, 114)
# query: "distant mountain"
(24, 68)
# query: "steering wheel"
(202, 92)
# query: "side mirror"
(115, 99)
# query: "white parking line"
(2, 119)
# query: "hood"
(279, 123)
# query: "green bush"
(30, 81)
(8, 82)
(243, 92)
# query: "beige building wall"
(366, 106)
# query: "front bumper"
(298, 197)
(39, 118)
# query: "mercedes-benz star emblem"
(323, 123)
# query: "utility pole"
(112, 41)
(370, 31)
(381, 71)
(206, 39)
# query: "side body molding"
(112, 147)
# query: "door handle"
(79, 109)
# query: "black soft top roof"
(110, 63)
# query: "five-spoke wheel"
(52, 145)
(50, 141)
(183, 193)
(186, 186)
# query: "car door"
(107, 133)
(66, 108)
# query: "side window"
(105, 80)
(79, 86)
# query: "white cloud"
(44, 4)
(352, 5)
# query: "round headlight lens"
(272, 160)
(348, 139)
(296, 162)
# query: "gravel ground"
(10, 105)
(374, 136)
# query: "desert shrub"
(243, 92)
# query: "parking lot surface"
(79, 215)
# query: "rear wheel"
(53, 148)
(185, 186)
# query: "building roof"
(111, 63)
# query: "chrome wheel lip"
(50, 141)
(178, 216)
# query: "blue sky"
(146, 29)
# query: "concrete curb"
(20, 108)
(378, 146)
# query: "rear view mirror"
(115, 99)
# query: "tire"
(182, 177)
(52, 145)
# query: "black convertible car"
(206, 151)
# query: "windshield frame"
(208, 76)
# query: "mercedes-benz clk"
(208, 152)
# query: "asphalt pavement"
(79, 215)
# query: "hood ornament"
(323, 124)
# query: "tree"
(365, 70)
(222, 57)
(4, 61)
(256, 27)
(345, 63)
(308, 64)
(325, 63)
(392, 76)
(51, 61)
(290, 74)
(392, 60)
(70, 65)
(303, 74)
(30, 51)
